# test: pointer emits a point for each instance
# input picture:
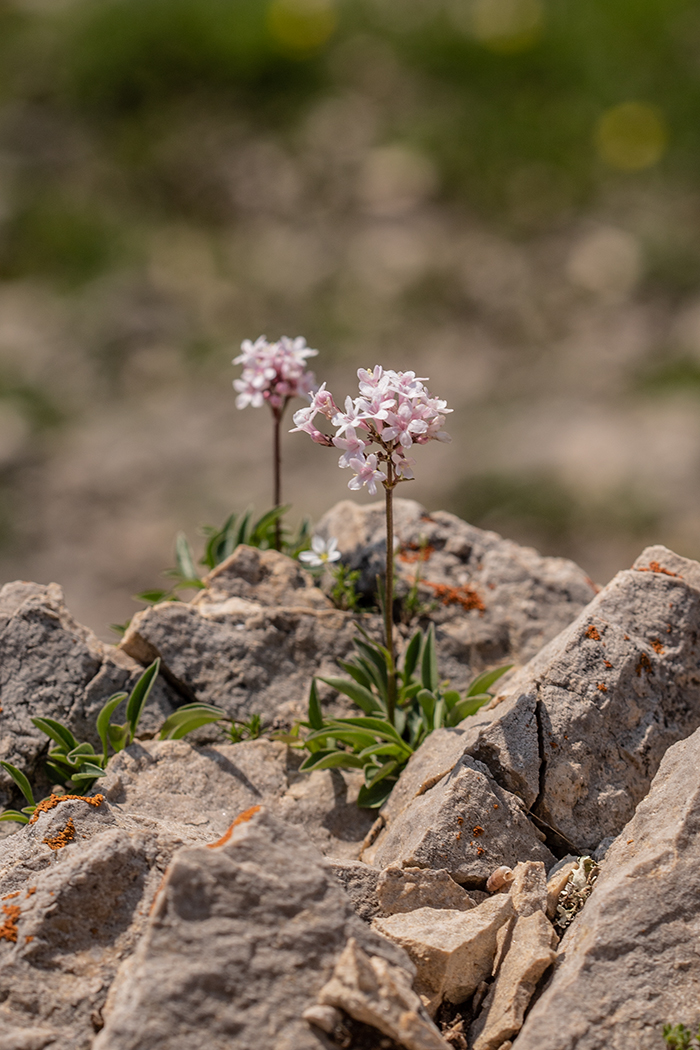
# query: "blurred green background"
(502, 194)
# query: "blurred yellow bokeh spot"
(301, 27)
(631, 136)
(507, 26)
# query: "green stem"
(389, 592)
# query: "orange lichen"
(28, 938)
(11, 895)
(53, 800)
(478, 830)
(242, 818)
(30, 891)
(603, 688)
(656, 645)
(467, 597)
(8, 930)
(655, 567)
(607, 663)
(412, 553)
(480, 850)
(592, 632)
(644, 665)
(553, 745)
(63, 837)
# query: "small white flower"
(322, 551)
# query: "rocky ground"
(532, 880)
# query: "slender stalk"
(389, 592)
(277, 458)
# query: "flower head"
(273, 372)
(322, 551)
(393, 412)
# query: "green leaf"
(428, 670)
(103, 719)
(438, 714)
(378, 726)
(381, 749)
(88, 771)
(120, 628)
(412, 655)
(188, 718)
(466, 707)
(14, 815)
(361, 696)
(357, 672)
(242, 530)
(118, 736)
(153, 597)
(56, 731)
(184, 558)
(82, 749)
(358, 738)
(139, 695)
(384, 771)
(451, 697)
(376, 796)
(484, 681)
(427, 701)
(315, 714)
(20, 780)
(264, 526)
(331, 760)
(60, 775)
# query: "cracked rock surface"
(629, 964)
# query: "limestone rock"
(240, 660)
(75, 888)
(203, 788)
(262, 577)
(497, 602)
(452, 950)
(51, 666)
(374, 991)
(629, 963)
(466, 824)
(583, 726)
(528, 954)
(240, 941)
(360, 883)
(405, 889)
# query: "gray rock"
(241, 660)
(240, 941)
(360, 884)
(51, 666)
(629, 963)
(205, 788)
(262, 577)
(453, 950)
(495, 602)
(528, 955)
(373, 991)
(466, 824)
(583, 726)
(75, 888)
(405, 889)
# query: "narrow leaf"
(315, 714)
(88, 771)
(152, 597)
(184, 558)
(331, 760)
(376, 796)
(410, 659)
(14, 815)
(187, 718)
(139, 695)
(104, 717)
(20, 780)
(469, 706)
(484, 681)
(56, 731)
(428, 670)
(361, 696)
(451, 697)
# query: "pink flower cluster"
(273, 372)
(394, 412)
